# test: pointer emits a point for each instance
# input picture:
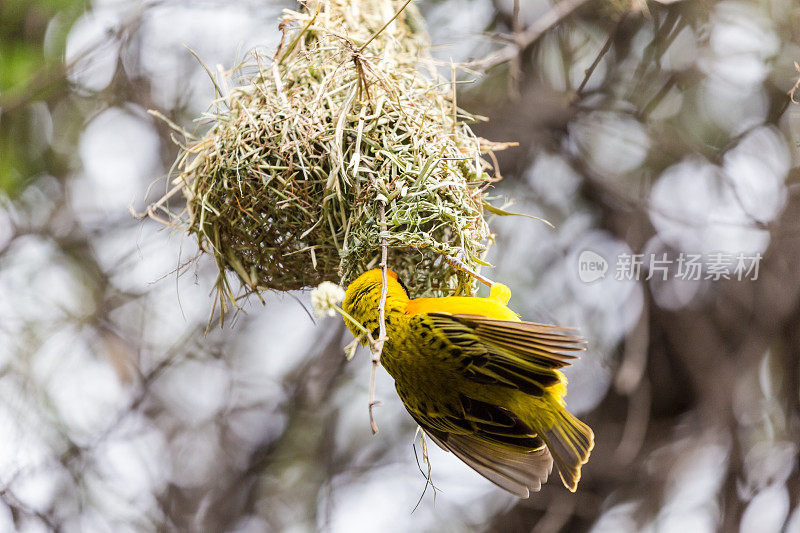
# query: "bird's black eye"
(403, 285)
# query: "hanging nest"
(283, 190)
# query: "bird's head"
(363, 296)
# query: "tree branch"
(526, 38)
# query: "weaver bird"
(481, 383)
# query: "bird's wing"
(489, 439)
(519, 473)
(542, 344)
(519, 470)
(471, 347)
(525, 356)
(470, 417)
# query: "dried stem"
(377, 346)
(458, 264)
(384, 26)
(794, 88)
(152, 208)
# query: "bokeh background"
(643, 127)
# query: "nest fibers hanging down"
(283, 189)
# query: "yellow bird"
(481, 383)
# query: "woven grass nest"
(284, 188)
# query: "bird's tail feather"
(570, 442)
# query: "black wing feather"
(488, 354)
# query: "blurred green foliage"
(33, 37)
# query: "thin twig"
(556, 517)
(515, 66)
(364, 46)
(657, 99)
(151, 209)
(458, 264)
(427, 460)
(17, 509)
(603, 51)
(636, 423)
(794, 88)
(299, 35)
(662, 40)
(377, 346)
(454, 96)
(522, 41)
